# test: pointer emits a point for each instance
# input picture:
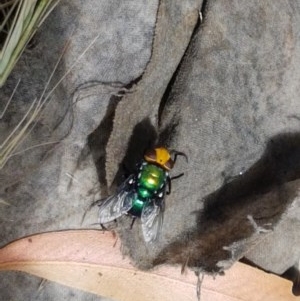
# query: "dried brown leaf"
(88, 260)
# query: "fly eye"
(169, 164)
(151, 154)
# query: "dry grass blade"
(11, 97)
(29, 120)
(19, 21)
(2, 202)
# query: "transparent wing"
(118, 204)
(152, 219)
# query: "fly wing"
(116, 205)
(152, 219)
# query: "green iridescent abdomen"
(150, 180)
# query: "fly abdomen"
(150, 179)
(137, 207)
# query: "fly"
(142, 194)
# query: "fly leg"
(133, 220)
(176, 177)
(177, 153)
(168, 191)
(103, 227)
(169, 180)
